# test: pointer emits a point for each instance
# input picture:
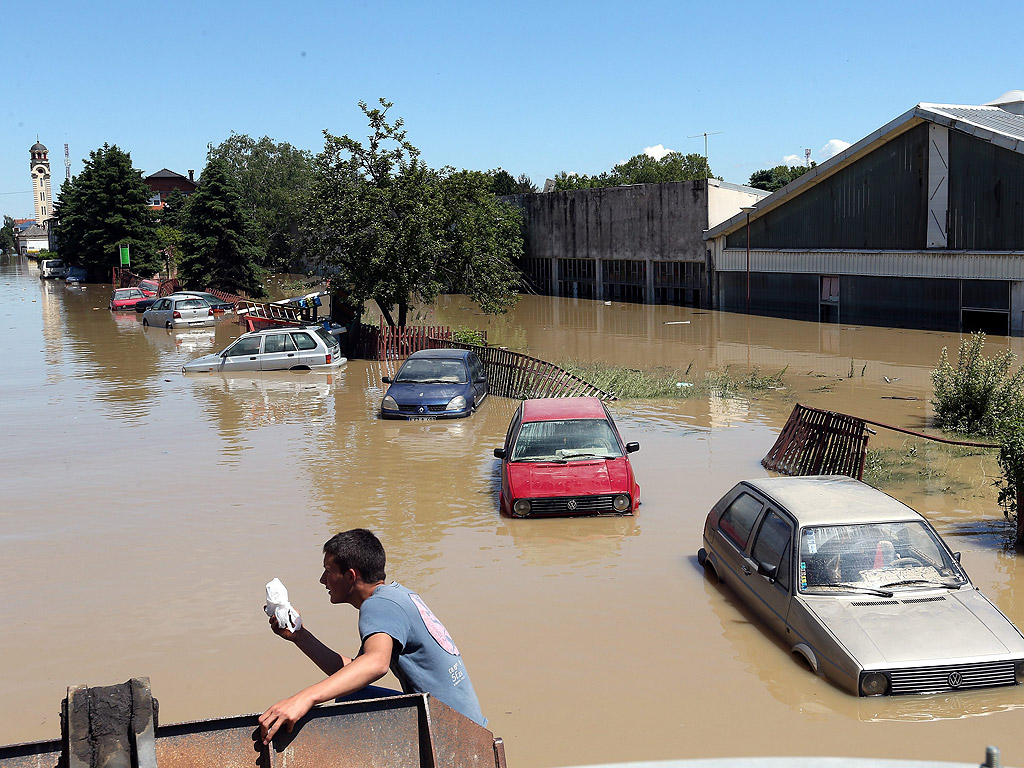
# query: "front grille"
(952, 677)
(572, 505)
(405, 408)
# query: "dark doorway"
(989, 322)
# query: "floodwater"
(142, 512)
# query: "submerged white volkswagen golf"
(860, 586)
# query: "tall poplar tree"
(104, 206)
(217, 249)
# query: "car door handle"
(290, 354)
(745, 568)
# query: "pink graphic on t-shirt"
(435, 627)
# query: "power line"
(26, 192)
(705, 134)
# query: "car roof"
(550, 408)
(832, 500)
(457, 354)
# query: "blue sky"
(532, 87)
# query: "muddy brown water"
(142, 512)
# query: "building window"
(155, 199)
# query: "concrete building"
(41, 194)
(919, 225)
(32, 239)
(641, 243)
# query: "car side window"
(279, 342)
(162, 304)
(250, 346)
(738, 520)
(476, 367)
(773, 545)
(512, 431)
(304, 341)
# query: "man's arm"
(329, 661)
(354, 674)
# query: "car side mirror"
(385, 379)
(767, 570)
(499, 453)
(632, 447)
(956, 556)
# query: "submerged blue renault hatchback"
(435, 384)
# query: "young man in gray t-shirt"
(397, 630)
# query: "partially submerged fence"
(513, 374)
(816, 442)
(509, 374)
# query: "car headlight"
(620, 503)
(1018, 669)
(456, 404)
(521, 508)
(873, 684)
(388, 404)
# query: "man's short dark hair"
(360, 550)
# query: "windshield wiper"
(907, 582)
(584, 455)
(869, 590)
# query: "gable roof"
(165, 173)
(986, 123)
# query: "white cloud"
(793, 160)
(832, 148)
(658, 151)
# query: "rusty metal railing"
(816, 442)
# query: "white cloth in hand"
(278, 605)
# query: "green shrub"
(469, 336)
(980, 394)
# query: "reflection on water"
(142, 512)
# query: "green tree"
(503, 183)
(272, 181)
(7, 242)
(771, 179)
(105, 205)
(217, 251)
(641, 169)
(394, 231)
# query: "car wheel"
(145, 322)
(702, 556)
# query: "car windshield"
(433, 370)
(565, 440)
(875, 557)
(127, 293)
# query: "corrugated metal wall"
(879, 202)
(986, 196)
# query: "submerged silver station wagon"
(275, 349)
(860, 586)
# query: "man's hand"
(283, 631)
(286, 712)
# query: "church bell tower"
(40, 165)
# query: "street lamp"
(747, 209)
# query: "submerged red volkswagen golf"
(564, 456)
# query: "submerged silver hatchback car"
(275, 349)
(860, 586)
(179, 310)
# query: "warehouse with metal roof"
(919, 225)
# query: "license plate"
(423, 418)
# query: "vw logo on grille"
(421, 409)
(571, 504)
(955, 679)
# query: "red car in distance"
(149, 287)
(564, 456)
(126, 298)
